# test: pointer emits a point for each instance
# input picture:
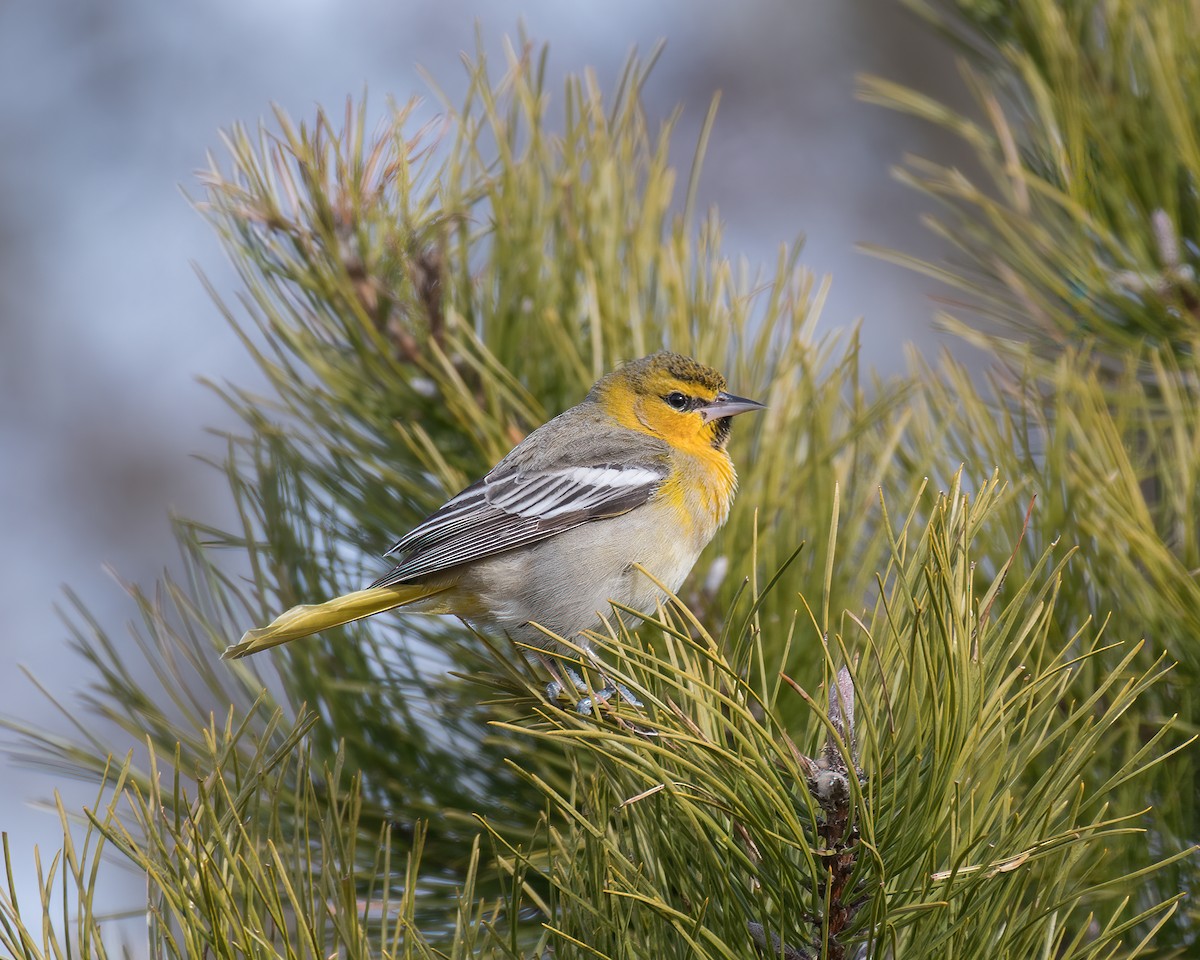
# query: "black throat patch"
(721, 430)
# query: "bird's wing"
(512, 507)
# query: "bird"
(634, 480)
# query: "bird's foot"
(586, 704)
(556, 688)
(605, 693)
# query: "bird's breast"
(568, 582)
(699, 493)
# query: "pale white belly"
(568, 583)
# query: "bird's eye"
(677, 400)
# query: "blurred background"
(107, 110)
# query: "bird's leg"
(588, 703)
(556, 687)
(563, 673)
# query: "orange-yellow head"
(673, 397)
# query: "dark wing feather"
(512, 507)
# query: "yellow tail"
(307, 619)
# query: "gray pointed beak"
(727, 405)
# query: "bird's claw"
(556, 688)
(587, 704)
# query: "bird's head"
(673, 397)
